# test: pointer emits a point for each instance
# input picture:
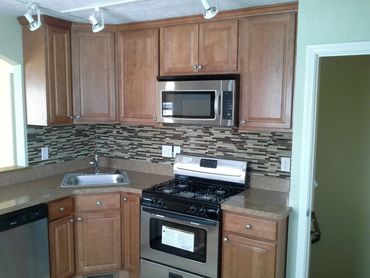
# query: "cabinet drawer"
(250, 226)
(60, 208)
(98, 202)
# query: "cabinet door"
(266, 52)
(247, 258)
(98, 239)
(61, 241)
(137, 71)
(218, 46)
(179, 49)
(93, 69)
(131, 233)
(59, 75)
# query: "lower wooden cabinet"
(61, 239)
(253, 247)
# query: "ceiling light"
(209, 11)
(97, 20)
(33, 24)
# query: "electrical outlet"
(285, 164)
(166, 151)
(176, 150)
(44, 153)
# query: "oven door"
(180, 241)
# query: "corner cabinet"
(137, 65)
(209, 47)
(47, 69)
(93, 72)
(61, 238)
(266, 57)
(253, 247)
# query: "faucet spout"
(95, 162)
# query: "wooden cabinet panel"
(98, 239)
(266, 53)
(60, 208)
(98, 202)
(247, 258)
(137, 53)
(61, 245)
(131, 232)
(93, 66)
(179, 49)
(218, 46)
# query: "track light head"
(31, 10)
(97, 20)
(209, 12)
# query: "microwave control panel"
(227, 105)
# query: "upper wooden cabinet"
(137, 64)
(199, 48)
(266, 57)
(93, 72)
(47, 68)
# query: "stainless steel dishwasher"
(24, 249)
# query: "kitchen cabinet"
(137, 64)
(209, 47)
(253, 247)
(47, 71)
(93, 74)
(61, 238)
(98, 233)
(131, 233)
(266, 58)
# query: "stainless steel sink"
(99, 179)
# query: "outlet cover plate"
(166, 151)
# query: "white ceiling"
(137, 10)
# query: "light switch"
(176, 150)
(166, 151)
(44, 153)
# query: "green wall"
(342, 169)
(319, 22)
(11, 38)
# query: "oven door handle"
(192, 220)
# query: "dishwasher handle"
(315, 230)
(22, 217)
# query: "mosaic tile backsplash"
(261, 149)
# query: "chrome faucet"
(95, 162)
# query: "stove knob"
(160, 204)
(202, 211)
(153, 202)
(193, 209)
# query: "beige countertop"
(260, 203)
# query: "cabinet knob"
(77, 117)
(61, 209)
(248, 227)
(70, 117)
(79, 218)
(226, 239)
(243, 122)
(195, 67)
(71, 220)
(199, 67)
(125, 199)
(99, 203)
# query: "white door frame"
(305, 166)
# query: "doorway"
(341, 201)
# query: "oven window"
(177, 239)
(188, 104)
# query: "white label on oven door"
(167, 112)
(177, 238)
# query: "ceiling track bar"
(101, 5)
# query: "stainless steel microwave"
(206, 100)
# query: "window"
(12, 123)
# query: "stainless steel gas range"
(180, 219)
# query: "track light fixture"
(97, 20)
(209, 12)
(31, 10)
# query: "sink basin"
(100, 179)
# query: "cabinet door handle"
(226, 239)
(243, 122)
(199, 67)
(79, 218)
(71, 220)
(248, 227)
(125, 199)
(195, 67)
(99, 203)
(61, 209)
(77, 117)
